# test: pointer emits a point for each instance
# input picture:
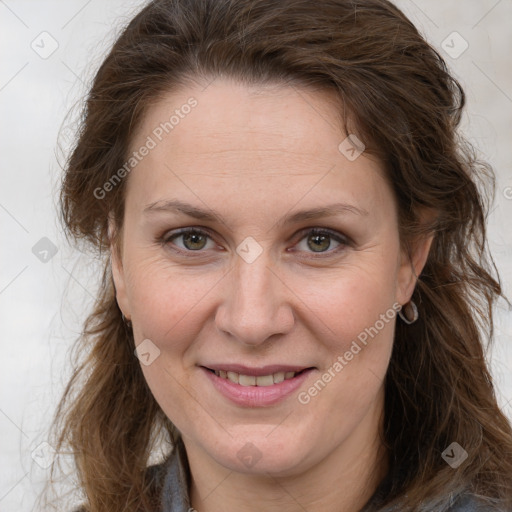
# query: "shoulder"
(154, 475)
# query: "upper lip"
(256, 372)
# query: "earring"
(410, 313)
(126, 321)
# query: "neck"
(343, 481)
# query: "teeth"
(251, 380)
(233, 377)
(264, 380)
(278, 377)
(247, 380)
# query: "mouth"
(256, 387)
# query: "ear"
(412, 263)
(117, 268)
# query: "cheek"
(360, 338)
(168, 307)
(352, 298)
(355, 318)
(165, 301)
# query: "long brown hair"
(397, 96)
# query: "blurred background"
(49, 51)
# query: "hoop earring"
(410, 314)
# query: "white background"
(43, 304)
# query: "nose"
(257, 303)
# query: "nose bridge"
(255, 306)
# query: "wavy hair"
(397, 95)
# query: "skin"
(255, 155)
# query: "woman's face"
(249, 287)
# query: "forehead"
(250, 139)
(226, 113)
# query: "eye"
(320, 240)
(192, 239)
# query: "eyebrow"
(175, 205)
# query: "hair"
(398, 96)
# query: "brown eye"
(191, 239)
(321, 241)
(194, 241)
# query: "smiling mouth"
(253, 380)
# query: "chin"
(260, 454)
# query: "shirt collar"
(175, 490)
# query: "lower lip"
(256, 396)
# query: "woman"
(320, 350)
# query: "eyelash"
(344, 241)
